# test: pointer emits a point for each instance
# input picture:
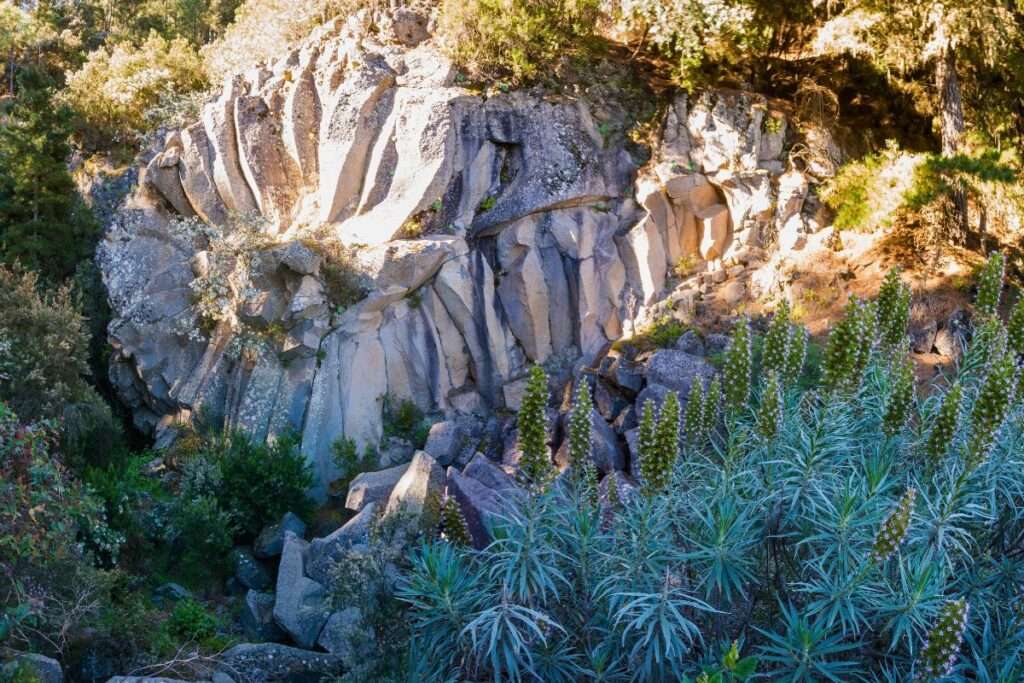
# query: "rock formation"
(538, 242)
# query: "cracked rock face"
(543, 243)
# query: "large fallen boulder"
(300, 607)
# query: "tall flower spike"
(581, 427)
(944, 640)
(893, 310)
(990, 285)
(894, 529)
(991, 408)
(712, 405)
(535, 464)
(946, 423)
(737, 367)
(769, 413)
(796, 356)
(867, 314)
(453, 523)
(901, 399)
(843, 349)
(777, 340)
(1015, 327)
(989, 342)
(667, 439)
(612, 490)
(693, 417)
(647, 443)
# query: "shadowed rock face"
(551, 245)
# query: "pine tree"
(737, 368)
(944, 640)
(769, 414)
(901, 398)
(535, 464)
(777, 340)
(946, 423)
(796, 355)
(580, 437)
(990, 285)
(453, 523)
(693, 418)
(712, 406)
(991, 408)
(43, 222)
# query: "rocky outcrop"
(541, 242)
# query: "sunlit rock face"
(485, 234)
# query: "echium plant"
(945, 424)
(535, 464)
(693, 416)
(893, 310)
(738, 367)
(843, 353)
(894, 530)
(712, 405)
(868, 314)
(453, 523)
(991, 409)
(940, 651)
(1015, 327)
(990, 285)
(647, 440)
(659, 443)
(581, 425)
(776, 341)
(901, 398)
(796, 356)
(769, 412)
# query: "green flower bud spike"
(535, 464)
(777, 340)
(990, 285)
(712, 405)
(667, 437)
(991, 408)
(848, 344)
(580, 433)
(894, 529)
(893, 310)
(1015, 327)
(453, 523)
(647, 444)
(946, 423)
(737, 368)
(796, 356)
(901, 399)
(944, 640)
(769, 414)
(693, 417)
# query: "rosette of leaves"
(693, 416)
(943, 644)
(796, 356)
(991, 408)
(776, 341)
(901, 398)
(893, 309)
(535, 464)
(769, 413)
(453, 523)
(894, 530)
(737, 367)
(945, 424)
(990, 285)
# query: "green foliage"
(659, 444)
(769, 414)
(349, 462)
(990, 285)
(1015, 327)
(405, 420)
(712, 405)
(190, 621)
(118, 84)
(797, 355)
(893, 310)
(202, 533)
(777, 341)
(44, 225)
(738, 367)
(901, 398)
(844, 353)
(453, 523)
(945, 424)
(991, 409)
(519, 39)
(693, 416)
(535, 465)
(662, 333)
(581, 425)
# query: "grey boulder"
(258, 618)
(270, 542)
(300, 607)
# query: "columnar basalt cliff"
(538, 242)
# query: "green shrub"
(350, 462)
(405, 420)
(201, 533)
(191, 621)
(519, 39)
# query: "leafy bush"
(202, 534)
(191, 621)
(260, 482)
(404, 419)
(520, 39)
(839, 545)
(350, 462)
(117, 85)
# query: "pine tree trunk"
(951, 112)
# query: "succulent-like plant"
(901, 398)
(893, 310)
(693, 416)
(943, 645)
(535, 464)
(777, 340)
(991, 408)
(769, 412)
(796, 356)
(894, 529)
(453, 523)
(945, 424)
(990, 285)
(737, 368)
